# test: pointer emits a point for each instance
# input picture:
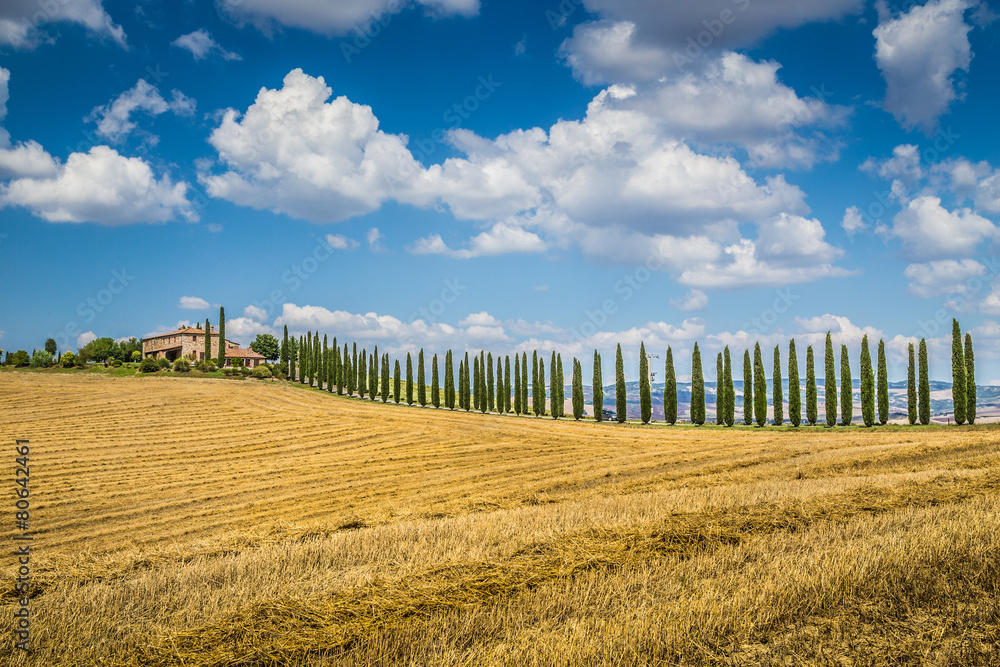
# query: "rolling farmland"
(212, 522)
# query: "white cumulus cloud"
(114, 119)
(919, 53)
(24, 23)
(201, 45)
(193, 303)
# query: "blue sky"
(469, 174)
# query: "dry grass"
(203, 522)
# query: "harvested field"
(213, 522)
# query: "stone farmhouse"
(190, 341)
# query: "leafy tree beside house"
(266, 346)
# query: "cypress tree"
(348, 373)
(292, 353)
(577, 390)
(598, 388)
(867, 385)
(461, 384)
(421, 380)
(409, 380)
(729, 414)
(883, 385)
(759, 388)
(534, 383)
(541, 388)
(364, 377)
(670, 389)
(645, 399)
(925, 386)
(620, 399)
(222, 338)
(794, 392)
(467, 388)
(748, 403)
(517, 385)
(435, 383)
(562, 387)
(490, 400)
(397, 383)
(846, 388)
(324, 363)
(374, 377)
(208, 345)
(959, 383)
(304, 357)
(830, 384)
(449, 381)
(333, 368)
(317, 361)
(506, 384)
(812, 412)
(911, 389)
(524, 382)
(970, 379)
(476, 371)
(483, 384)
(554, 386)
(338, 367)
(720, 392)
(697, 389)
(776, 390)
(356, 374)
(385, 378)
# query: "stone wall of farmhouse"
(190, 343)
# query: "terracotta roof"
(230, 352)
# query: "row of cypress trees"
(487, 385)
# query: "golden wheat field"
(183, 521)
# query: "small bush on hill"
(182, 366)
(41, 359)
(262, 373)
(149, 365)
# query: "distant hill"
(987, 403)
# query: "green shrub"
(182, 366)
(262, 373)
(164, 364)
(68, 360)
(41, 359)
(149, 365)
(244, 371)
(117, 363)
(136, 355)
(228, 371)
(238, 362)
(20, 358)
